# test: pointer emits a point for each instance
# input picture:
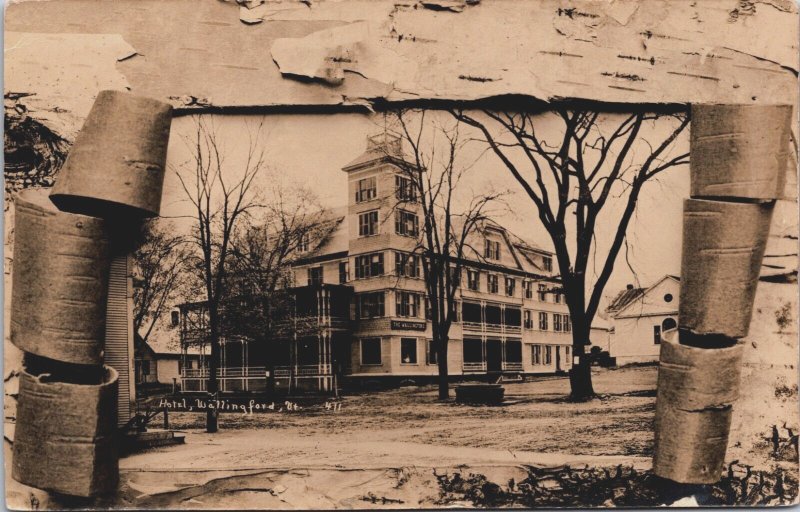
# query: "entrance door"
(494, 356)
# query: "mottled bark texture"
(116, 166)
(64, 440)
(738, 156)
(60, 282)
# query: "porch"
(491, 355)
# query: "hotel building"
(363, 283)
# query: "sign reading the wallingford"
(408, 326)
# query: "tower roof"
(382, 147)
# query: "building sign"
(408, 326)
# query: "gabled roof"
(624, 298)
(336, 240)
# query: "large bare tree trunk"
(580, 376)
(213, 370)
(441, 359)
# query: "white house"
(639, 316)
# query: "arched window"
(668, 323)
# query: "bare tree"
(261, 305)
(159, 268)
(593, 161)
(223, 196)
(434, 172)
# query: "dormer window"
(491, 249)
(366, 189)
(547, 261)
(304, 243)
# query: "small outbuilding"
(639, 316)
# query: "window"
(557, 322)
(473, 350)
(566, 323)
(513, 349)
(371, 351)
(528, 319)
(455, 276)
(510, 285)
(371, 305)
(566, 352)
(431, 353)
(657, 334)
(668, 324)
(369, 265)
(428, 314)
(404, 189)
(456, 311)
(668, 297)
(471, 312)
(547, 261)
(408, 350)
(536, 354)
(491, 283)
(543, 293)
(473, 280)
(304, 243)
(407, 304)
(344, 272)
(406, 223)
(406, 264)
(366, 189)
(145, 367)
(175, 318)
(314, 276)
(548, 354)
(368, 223)
(491, 249)
(542, 321)
(512, 317)
(494, 315)
(557, 297)
(527, 287)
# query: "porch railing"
(512, 366)
(304, 371)
(474, 367)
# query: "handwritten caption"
(251, 407)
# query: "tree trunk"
(580, 376)
(441, 359)
(213, 383)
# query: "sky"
(311, 149)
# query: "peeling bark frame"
(264, 56)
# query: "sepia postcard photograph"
(382, 254)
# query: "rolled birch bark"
(65, 435)
(696, 391)
(60, 282)
(740, 151)
(723, 245)
(116, 166)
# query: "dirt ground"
(402, 448)
(536, 418)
